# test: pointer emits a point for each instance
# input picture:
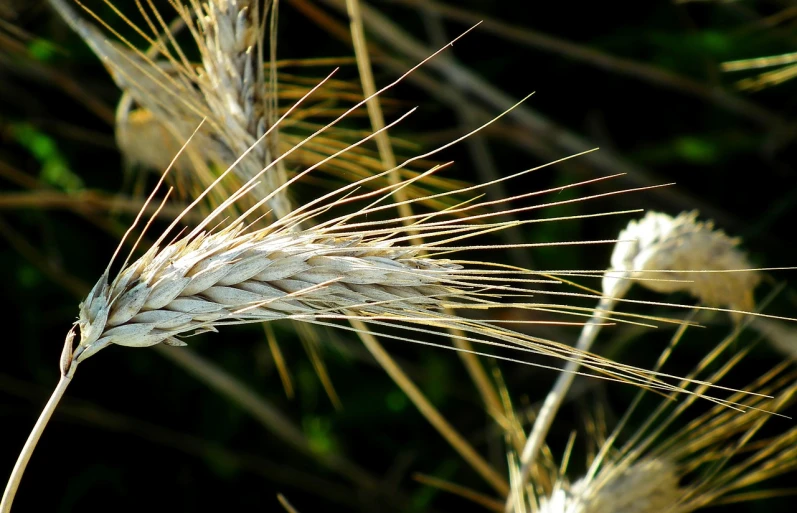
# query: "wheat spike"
(671, 254)
(233, 85)
(664, 254)
(337, 270)
(166, 96)
(227, 89)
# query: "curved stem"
(33, 439)
(556, 396)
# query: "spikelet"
(666, 254)
(233, 86)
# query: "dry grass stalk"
(786, 70)
(472, 364)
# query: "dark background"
(641, 80)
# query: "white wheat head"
(343, 268)
(673, 254)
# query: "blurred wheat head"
(236, 88)
(669, 463)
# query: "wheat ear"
(665, 254)
(228, 89)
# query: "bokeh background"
(641, 80)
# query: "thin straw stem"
(556, 396)
(30, 444)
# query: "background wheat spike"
(709, 460)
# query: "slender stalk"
(374, 108)
(556, 396)
(427, 409)
(360, 44)
(27, 450)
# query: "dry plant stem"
(88, 414)
(760, 62)
(605, 160)
(405, 210)
(285, 504)
(268, 416)
(556, 396)
(67, 372)
(432, 415)
(374, 110)
(471, 361)
(592, 57)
